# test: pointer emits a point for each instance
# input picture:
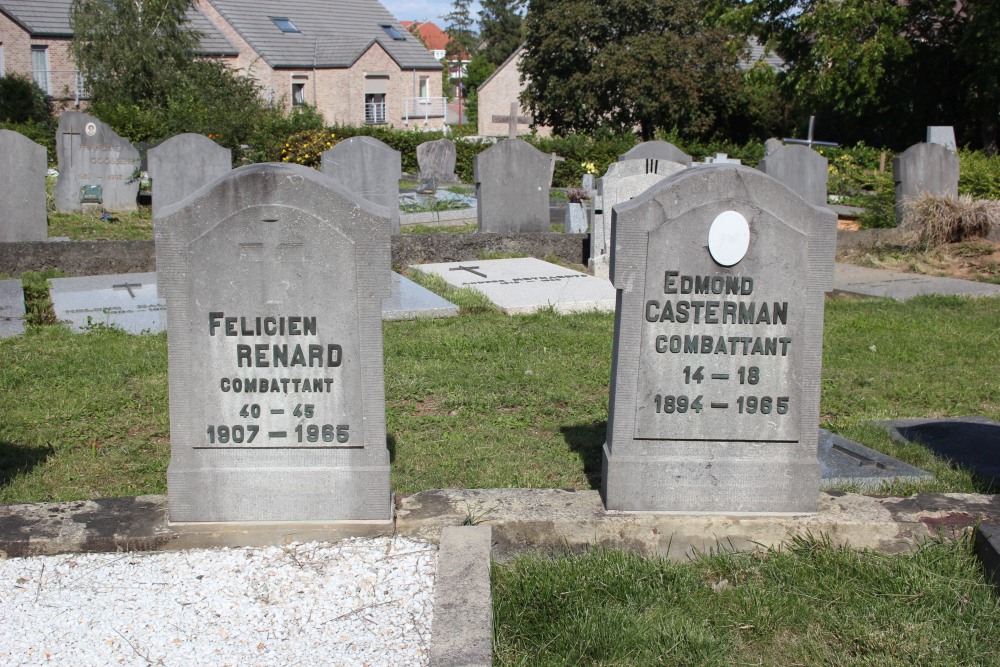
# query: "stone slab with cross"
(274, 279)
(126, 301)
(90, 153)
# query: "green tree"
(501, 28)
(476, 72)
(462, 31)
(22, 101)
(623, 64)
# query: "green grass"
(437, 229)
(808, 604)
(482, 400)
(136, 226)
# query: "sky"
(423, 10)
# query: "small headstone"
(368, 167)
(126, 301)
(436, 160)
(527, 285)
(274, 279)
(969, 442)
(11, 308)
(623, 181)
(656, 150)
(182, 165)
(943, 135)
(90, 153)
(22, 189)
(921, 168)
(772, 145)
(800, 168)
(716, 365)
(576, 218)
(512, 188)
(843, 461)
(409, 301)
(587, 182)
(722, 158)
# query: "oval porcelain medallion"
(729, 238)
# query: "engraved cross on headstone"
(68, 136)
(274, 254)
(127, 286)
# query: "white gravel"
(356, 602)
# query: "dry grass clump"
(931, 221)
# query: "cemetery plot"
(11, 308)
(127, 301)
(526, 285)
(843, 461)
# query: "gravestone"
(972, 443)
(409, 301)
(772, 145)
(656, 150)
(721, 158)
(943, 135)
(437, 160)
(623, 181)
(22, 189)
(368, 167)
(91, 155)
(274, 279)
(11, 308)
(800, 168)
(184, 164)
(716, 363)
(843, 461)
(924, 168)
(512, 188)
(125, 301)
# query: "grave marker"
(512, 188)
(22, 189)
(91, 155)
(943, 135)
(128, 302)
(716, 364)
(437, 160)
(367, 166)
(274, 280)
(513, 120)
(924, 168)
(656, 150)
(800, 168)
(184, 164)
(11, 308)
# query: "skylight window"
(392, 32)
(284, 24)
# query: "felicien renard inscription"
(720, 273)
(274, 278)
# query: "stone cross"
(70, 136)
(513, 120)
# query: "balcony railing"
(62, 84)
(374, 112)
(425, 107)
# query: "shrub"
(22, 101)
(931, 221)
(979, 175)
(306, 148)
(40, 133)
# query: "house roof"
(50, 18)
(434, 37)
(512, 57)
(331, 33)
(760, 53)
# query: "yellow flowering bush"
(306, 148)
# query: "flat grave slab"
(843, 461)
(127, 301)
(526, 285)
(972, 442)
(11, 308)
(408, 301)
(903, 286)
(987, 547)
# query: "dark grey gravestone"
(512, 188)
(622, 181)
(274, 277)
(184, 164)
(943, 135)
(11, 308)
(716, 363)
(800, 168)
(436, 160)
(987, 547)
(921, 168)
(843, 461)
(126, 301)
(970, 442)
(22, 189)
(91, 154)
(368, 167)
(656, 150)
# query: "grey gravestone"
(437, 160)
(587, 182)
(22, 189)
(943, 135)
(623, 181)
(721, 158)
(800, 168)
(368, 167)
(656, 150)
(772, 145)
(11, 308)
(274, 278)
(409, 301)
(512, 188)
(126, 301)
(716, 364)
(970, 442)
(184, 164)
(921, 168)
(91, 154)
(843, 461)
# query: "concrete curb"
(462, 629)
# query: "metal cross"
(127, 286)
(809, 141)
(470, 269)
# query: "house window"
(298, 94)
(392, 32)
(374, 108)
(425, 87)
(40, 67)
(284, 24)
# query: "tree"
(625, 64)
(22, 101)
(501, 28)
(477, 71)
(462, 31)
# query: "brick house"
(495, 96)
(349, 58)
